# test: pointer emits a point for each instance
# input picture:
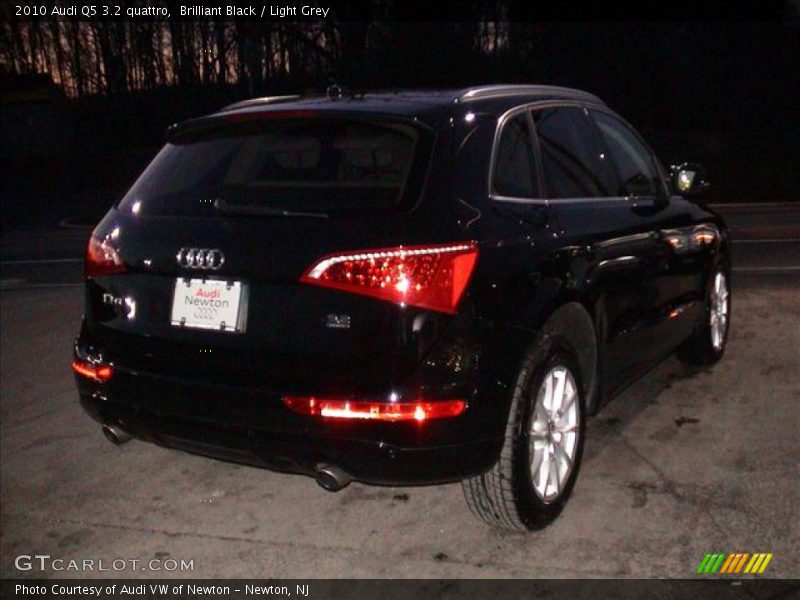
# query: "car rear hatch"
(213, 265)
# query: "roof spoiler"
(499, 91)
(259, 102)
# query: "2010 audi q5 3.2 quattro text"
(399, 288)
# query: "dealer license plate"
(209, 304)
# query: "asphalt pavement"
(685, 462)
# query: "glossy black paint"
(607, 268)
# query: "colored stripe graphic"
(720, 562)
(732, 562)
(759, 563)
(703, 563)
(765, 563)
(711, 562)
(727, 564)
(754, 563)
(741, 562)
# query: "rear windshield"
(322, 166)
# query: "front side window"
(634, 163)
(573, 162)
(514, 172)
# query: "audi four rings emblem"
(201, 258)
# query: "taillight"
(432, 277)
(102, 258)
(335, 408)
(96, 372)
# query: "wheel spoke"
(561, 453)
(718, 319)
(536, 465)
(544, 472)
(566, 427)
(558, 393)
(538, 437)
(566, 406)
(547, 401)
(553, 479)
(539, 424)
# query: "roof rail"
(498, 91)
(259, 102)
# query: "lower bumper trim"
(367, 461)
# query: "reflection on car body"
(399, 288)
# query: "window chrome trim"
(513, 200)
(529, 107)
(554, 201)
(591, 199)
(498, 132)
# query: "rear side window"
(514, 171)
(573, 162)
(633, 161)
(321, 165)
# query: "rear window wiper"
(264, 211)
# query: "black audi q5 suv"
(399, 288)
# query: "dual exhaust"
(115, 435)
(329, 477)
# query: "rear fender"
(573, 323)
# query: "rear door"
(595, 219)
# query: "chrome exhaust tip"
(331, 478)
(115, 435)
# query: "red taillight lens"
(432, 277)
(98, 373)
(335, 408)
(102, 258)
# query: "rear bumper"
(368, 461)
(250, 425)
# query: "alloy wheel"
(554, 433)
(719, 311)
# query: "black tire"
(505, 496)
(699, 350)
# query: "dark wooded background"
(85, 104)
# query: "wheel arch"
(573, 323)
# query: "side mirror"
(689, 179)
